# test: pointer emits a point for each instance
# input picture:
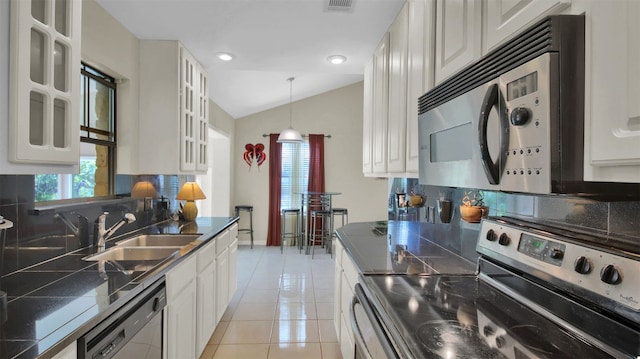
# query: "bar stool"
(324, 217)
(344, 219)
(343, 213)
(296, 234)
(314, 202)
(249, 209)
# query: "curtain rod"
(266, 135)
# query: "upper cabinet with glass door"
(173, 100)
(45, 81)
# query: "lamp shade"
(144, 189)
(289, 135)
(190, 191)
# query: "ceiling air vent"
(339, 5)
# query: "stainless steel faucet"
(81, 230)
(104, 234)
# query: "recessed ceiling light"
(336, 59)
(225, 56)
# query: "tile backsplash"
(618, 223)
(39, 233)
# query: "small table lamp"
(144, 190)
(189, 192)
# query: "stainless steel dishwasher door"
(133, 331)
(146, 344)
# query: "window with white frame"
(96, 176)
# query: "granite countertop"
(398, 247)
(52, 304)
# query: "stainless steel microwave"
(497, 135)
(513, 120)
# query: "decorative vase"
(473, 214)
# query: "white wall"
(338, 113)
(224, 124)
(111, 48)
(216, 184)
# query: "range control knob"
(582, 265)
(492, 235)
(520, 116)
(556, 253)
(610, 275)
(501, 341)
(504, 239)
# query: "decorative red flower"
(254, 153)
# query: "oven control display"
(542, 249)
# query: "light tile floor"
(283, 308)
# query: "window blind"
(295, 173)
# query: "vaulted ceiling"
(271, 40)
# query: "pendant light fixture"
(290, 135)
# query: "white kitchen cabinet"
(198, 292)
(70, 352)
(337, 286)
(45, 82)
(504, 18)
(367, 119)
(346, 275)
(206, 320)
(173, 110)
(612, 99)
(380, 113)
(222, 282)
(390, 139)
(233, 261)
(222, 273)
(420, 72)
(397, 118)
(202, 162)
(468, 29)
(458, 36)
(181, 309)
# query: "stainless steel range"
(540, 292)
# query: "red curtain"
(316, 171)
(316, 163)
(275, 173)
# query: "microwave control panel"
(526, 90)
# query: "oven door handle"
(360, 298)
(493, 98)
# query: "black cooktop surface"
(460, 316)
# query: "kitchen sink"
(163, 240)
(134, 254)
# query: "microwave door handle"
(493, 98)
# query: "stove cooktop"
(463, 317)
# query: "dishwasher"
(133, 331)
